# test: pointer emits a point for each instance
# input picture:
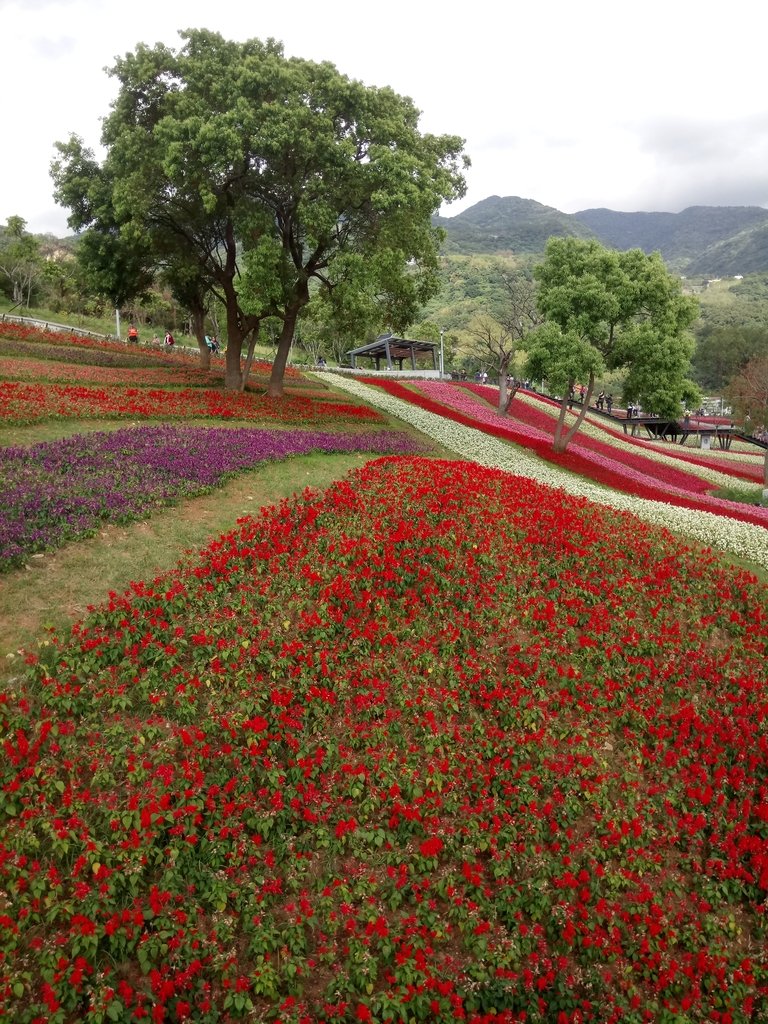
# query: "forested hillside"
(712, 241)
(510, 224)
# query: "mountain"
(508, 224)
(701, 240)
(718, 240)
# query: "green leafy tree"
(275, 174)
(63, 284)
(606, 310)
(21, 260)
(113, 254)
(722, 352)
(330, 328)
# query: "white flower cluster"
(744, 539)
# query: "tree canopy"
(21, 261)
(722, 352)
(606, 310)
(275, 178)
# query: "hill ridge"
(706, 240)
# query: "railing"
(50, 325)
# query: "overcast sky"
(573, 103)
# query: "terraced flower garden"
(448, 740)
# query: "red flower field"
(29, 403)
(437, 744)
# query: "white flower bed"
(743, 539)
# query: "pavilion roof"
(398, 347)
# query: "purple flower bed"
(63, 490)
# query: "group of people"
(133, 337)
(169, 341)
(602, 402)
(761, 433)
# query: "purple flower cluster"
(63, 490)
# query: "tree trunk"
(249, 357)
(560, 444)
(512, 392)
(239, 327)
(503, 404)
(205, 354)
(275, 389)
(198, 329)
(561, 441)
(233, 372)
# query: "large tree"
(114, 258)
(273, 173)
(608, 310)
(21, 260)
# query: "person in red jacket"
(133, 334)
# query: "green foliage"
(607, 310)
(268, 174)
(658, 364)
(113, 255)
(733, 304)
(561, 357)
(721, 353)
(745, 495)
(21, 261)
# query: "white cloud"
(658, 106)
